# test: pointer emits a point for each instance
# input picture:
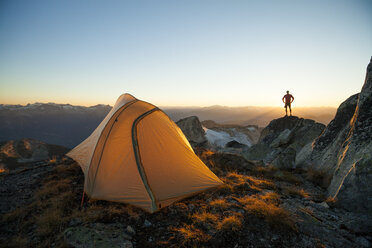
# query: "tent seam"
(136, 150)
(124, 107)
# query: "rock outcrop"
(14, 153)
(344, 150)
(193, 131)
(283, 139)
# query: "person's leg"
(290, 110)
(286, 106)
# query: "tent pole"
(82, 200)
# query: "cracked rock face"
(344, 150)
(331, 140)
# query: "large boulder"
(193, 131)
(282, 139)
(345, 151)
(259, 151)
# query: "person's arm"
(283, 99)
(292, 99)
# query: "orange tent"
(138, 155)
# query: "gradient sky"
(190, 53)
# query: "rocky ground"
(17, 187)
(258, 206)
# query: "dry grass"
(265, 206)
(331, 201)
(55, 202)
(265, 170)
(53, 188)
(240, 182)
(204, 217)
(270, 197)
(95, 213)
(225, 188)
(102, 211)
(17, 241)
(192, 236)
(17, 214)
(235, 178)
(296, 191)
(260, 183)
(231, 223)
(220, 204)
(53, 206)
(50, 221)
(204, 220)
(53, 160)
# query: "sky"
(184, 52)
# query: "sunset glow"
(183, 53)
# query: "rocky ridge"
(283, 139)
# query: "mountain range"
(61, 124)
(68, 125)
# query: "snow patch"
(252, 129)
(221, 138)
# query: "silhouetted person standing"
(288, 99)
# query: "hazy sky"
(201, 52)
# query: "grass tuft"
(295, 191)
(220, 204)
(265, 206)
(192, 236)
(230, 223)
(204, 217)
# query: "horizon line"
(174, 106)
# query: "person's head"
(287, 91)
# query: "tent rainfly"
(138, 155)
